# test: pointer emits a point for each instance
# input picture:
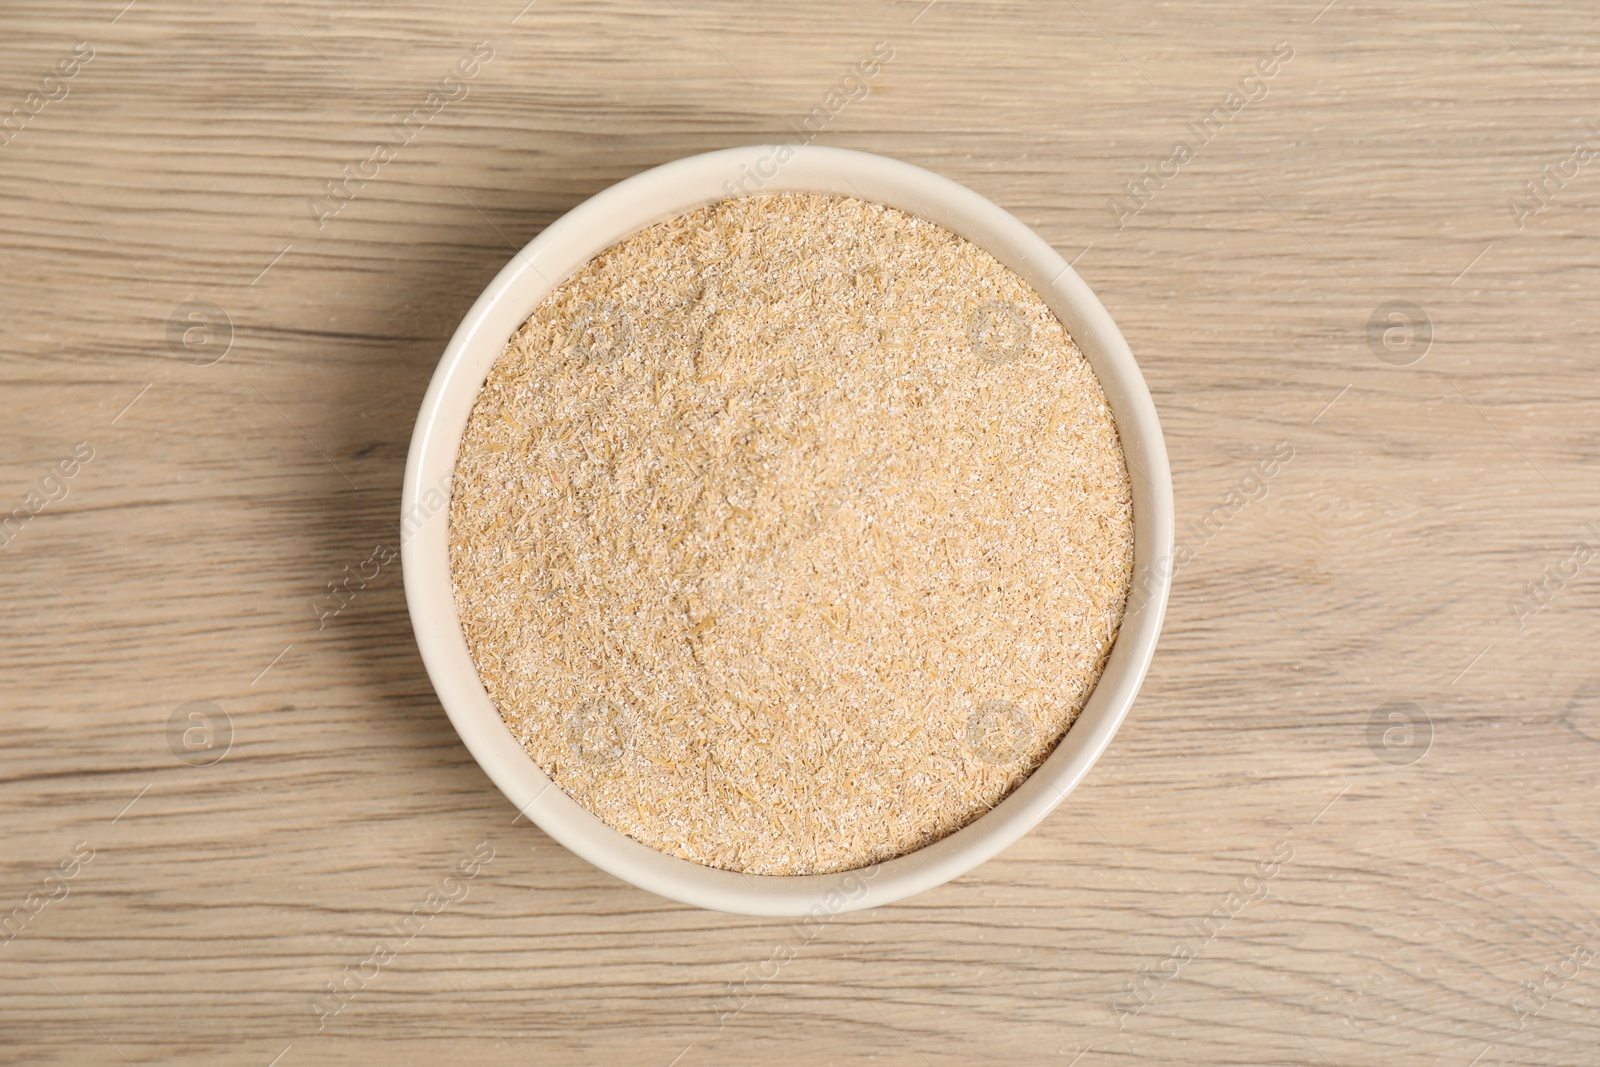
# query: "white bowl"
(564, 247)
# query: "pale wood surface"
(188, 553)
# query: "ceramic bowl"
(564, 247)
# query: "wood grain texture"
(1424, 903)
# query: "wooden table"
(212, 808)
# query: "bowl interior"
(563, 248)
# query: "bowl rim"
(565, 246)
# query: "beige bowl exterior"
(558, 252)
